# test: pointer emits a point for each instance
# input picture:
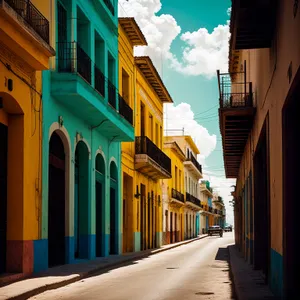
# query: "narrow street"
(198, 270)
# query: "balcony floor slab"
(85, 102)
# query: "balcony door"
(142, 120)
(63, 49)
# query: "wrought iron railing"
(234, 90)
(143, 145)
(32, 16)
(192, 158)
(112, 94)
(193, 199)
(177, 195)
(110, 6)
(125, 110)
(72, 58)
(210, 209)
(99, 81)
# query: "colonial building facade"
(84, 123)
(130, 35)
(173, 194)
(25, 48)
(259, 121)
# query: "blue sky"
(188, 42)
(200, 92)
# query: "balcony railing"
(143, 145)
(177, 195)
(193, 199)
(234, 90)
(72, 58)
(192, 158)
(112, 95)
(125, 110)
(32, 16)
(110, 6)
(210, 209)
(99, 81)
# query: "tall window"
(125, 86)
(160, 136)
(156, 135)
(180, 188)
(176, 170)
(142, 120)
(150, 130)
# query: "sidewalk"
(248, 283)
(63, 275)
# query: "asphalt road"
(198, 270)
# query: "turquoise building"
(84, 121)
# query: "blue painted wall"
(276, 274)
(76, 126)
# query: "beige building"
(259, 107)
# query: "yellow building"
(143, 162)
(206, 196)
(219, 211)
(25, 48)
(192, 173)
(173, 194)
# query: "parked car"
(215, 230)
(228, 228)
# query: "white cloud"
(229, 11)
(203, 52)
(224, 188)
(181, 116)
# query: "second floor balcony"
(192, 202)
(25, 28)
(177, 198)
(151, 160)
(236, 114)
(193, 166)
(82, 87)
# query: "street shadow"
(223, 258)
(222, 254)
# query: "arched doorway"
(81, 201)
(113, 249)
(12, 151)
(100, 204)
(56, 202)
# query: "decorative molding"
(154, 111)
(15, 61)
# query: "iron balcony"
(151, 160)
(193, 166)
(192, 202)
(81, 86)
(177, 198)
(236, 114)
(21, 17)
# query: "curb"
(56, 285)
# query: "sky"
(188, 43)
